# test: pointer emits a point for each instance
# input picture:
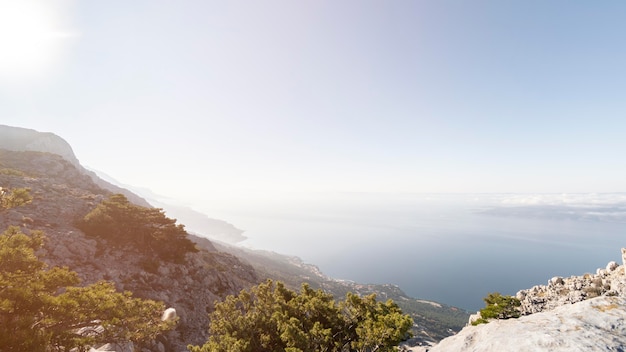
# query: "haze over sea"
(453, 249)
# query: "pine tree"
(42, 309)
(271, 317)
(122, 223)
(11, 198)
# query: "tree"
(498, 307)
(14, 198)
(41, 309)
(271, 317)
(123, 223)
(378, 326)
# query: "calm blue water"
(452, 249)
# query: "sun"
(31, 37)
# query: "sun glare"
(30, 38)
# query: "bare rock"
(597, 324)
(611, 266)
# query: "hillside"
(63, 194)
(65, 191)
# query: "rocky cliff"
(597, 324)
(24, 139)
(578, 313)
(63, 193)
(609, 281)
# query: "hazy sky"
(195, 97)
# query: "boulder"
(611, 266)
(557, 280)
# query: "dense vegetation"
(498, 306)
(10, 198)
(122, 223)
(271, 317)
(41, 309)
(433, 321)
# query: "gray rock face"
(23, 139)
(597, 324)
(578, 313)
(561, 291)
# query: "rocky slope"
(598, 324)
(24, 139)
(63, 193)
(578, 313)
(560, 291)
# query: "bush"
(42, 309)
(498, 307)
(271, 317)
(11, 198)
(148, 229)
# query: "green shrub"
(273, 318)
(122, 224)
(11, 172)
(498, 307)
(11, 198)
(41, 308)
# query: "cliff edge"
(597, 324)
(578, 313)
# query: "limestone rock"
(169, 314)
(561, 291)
(114, 347)
(597, 324)
(611, 266)
(23, 139)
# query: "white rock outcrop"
(609, 281)
(597, 324)
(169, 314)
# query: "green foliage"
(271, 317)
(14, 198)
(11, 172)
(432, 321)
(41, 310)
(498, 307)
(148, 229)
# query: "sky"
(198, 98)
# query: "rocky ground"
(577, 313)
(597, 324)
(561, 291)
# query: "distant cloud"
(609, 207)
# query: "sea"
(449, 248)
